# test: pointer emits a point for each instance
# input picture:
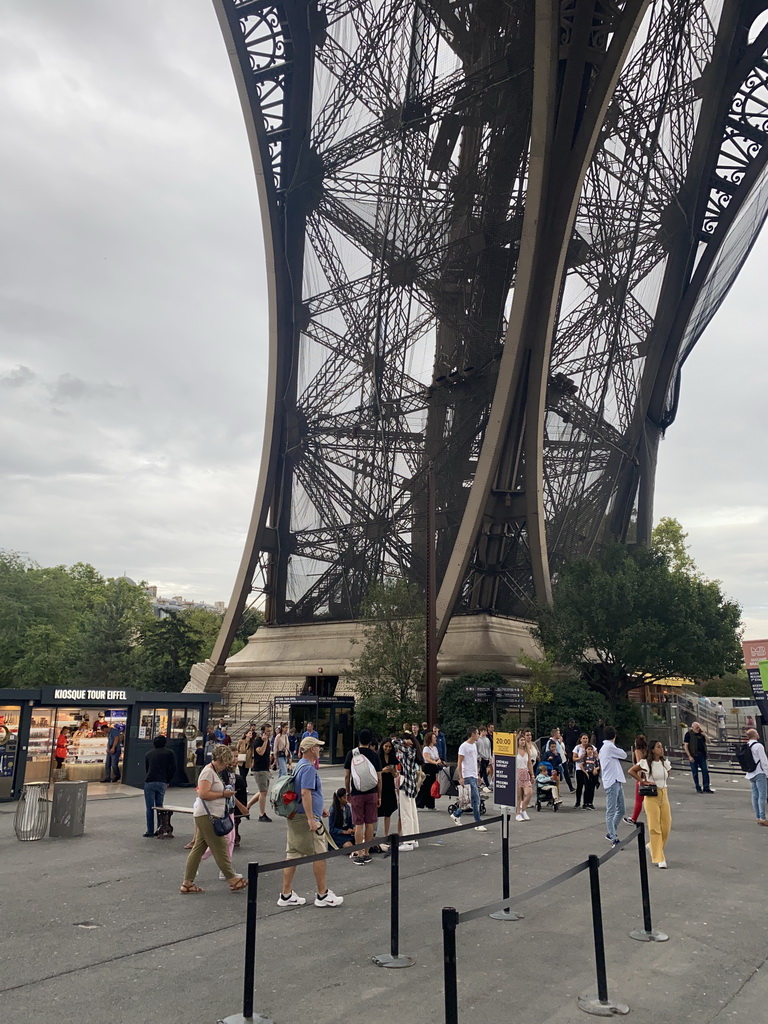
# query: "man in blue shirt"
(306, 832)
(114, 750)
(311, 733)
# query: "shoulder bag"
(648, 787)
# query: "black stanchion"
(507, 914)
(647, 933)
(249, 973)
(450, 923)
(599, 1005)
(394, 958)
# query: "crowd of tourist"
(393, 778)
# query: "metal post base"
(506, 915)
(387, 960)
(238, 1018)
(651, 936)
(589, 1003)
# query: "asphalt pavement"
(94, 929)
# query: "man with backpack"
(752, 758)
(362, 779)
(307, 834)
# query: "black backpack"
(745, 758)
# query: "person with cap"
(307, 834)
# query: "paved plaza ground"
(94, 929)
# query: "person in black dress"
(388, 804)
(431, 766)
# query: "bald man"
(758, 779)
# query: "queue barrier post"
(249, 972)
(599, 1005)
(394, 958)
(450, 923)
(507, 914)
(647, 933)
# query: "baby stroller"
(545, 795)
(452, 789)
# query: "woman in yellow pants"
(654, 768)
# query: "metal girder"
(490, 227)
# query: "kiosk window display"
(88, 731)
(10, 717)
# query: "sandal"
(189, 846)
(188, 887)
(237, 884)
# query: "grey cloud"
(18, 377)
(70, 388)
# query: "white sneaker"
(662, 863)
(525, 816)
(405, 846)
(480, 828)
(415, 844)
(519, 817)
(455, 820)
(329, 900)
(294, 900)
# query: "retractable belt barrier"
(600, 1004)
(392, 959)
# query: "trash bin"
(68, 811)
(31, 819)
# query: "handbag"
(420, 776)
(221, 826)
(648, 787)
(435, 790)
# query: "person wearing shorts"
(523, 776)
(306, 831)
(262, 756)
(364, 803)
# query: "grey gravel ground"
(94, 929)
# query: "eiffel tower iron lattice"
(494, 231)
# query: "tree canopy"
(669, 538)
(68, 624)
(629, 614)
(391, 665)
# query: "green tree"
(206, 624)
(169, 648)
(32, 596)
(669, 538)
(457, 707)
(577, 700)
(390, 667)
(107, 647)
(732, 684)
(628, 615)
(46, 660)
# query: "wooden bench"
(164, 816)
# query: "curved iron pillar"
(491, 231)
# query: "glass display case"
(9, 733)
(40, 748)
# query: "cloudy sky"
(133, 317)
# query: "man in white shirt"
(466, 772)
(484, 753)
(758, 779)
(722, 735)
(613, 778)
